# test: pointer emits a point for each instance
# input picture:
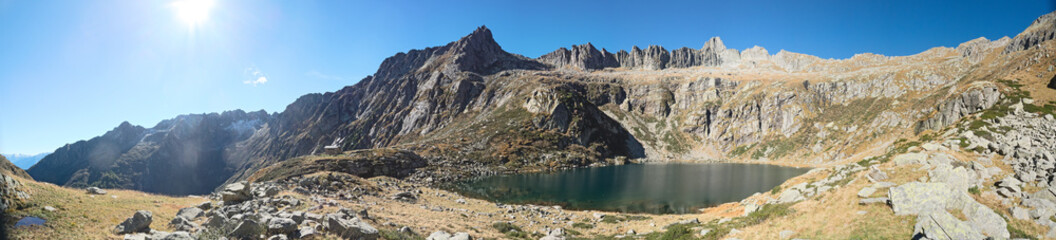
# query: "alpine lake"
(671, 188)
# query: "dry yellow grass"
(83, 216)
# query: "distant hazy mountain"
(25, 161)
(183, 155)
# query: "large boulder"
(351, 228)
(139, 222)
(190, 213)
(248, 229)
(95, 191)
(236, 192)
(281, 226)
(922, 199)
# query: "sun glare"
(193, 12)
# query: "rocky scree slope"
(469, 101)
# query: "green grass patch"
(392, 234)
(674, 232)
(582, 225)
(741, 150)
(759, 216)
(505, 227)
(974, 190)
(1015, 233)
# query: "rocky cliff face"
(955, 108)
(184, 155)
(581, 57)
(470, 102)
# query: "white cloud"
(256, 76)
(317, 74)
(260, 80)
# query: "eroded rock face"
(954, 109)
(584, 57)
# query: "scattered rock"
(866, 192)
(248, 229)
(190, 213)
(95, 191)
(281, 226)
(139, 222)
(405, 196)
(205, 205)
(178, 235)
(1020, 213)
(307, 232)
(182, 224)
(439, 235)
(235, 192)
(351, 228)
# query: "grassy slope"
(84, 216)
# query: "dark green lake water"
(636, 188)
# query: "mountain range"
(471, 102)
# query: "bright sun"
(193, 12)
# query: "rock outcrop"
(652, 58)
(955, 108)
(1052, 82)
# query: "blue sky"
(72, 70)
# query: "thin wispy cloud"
(256, 76)
(317, 74)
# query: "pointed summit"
(478, 40)
(714, 45)
(478, 52)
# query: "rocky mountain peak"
(714, 45)
(477, 51)
(1042, 29)
(755, 53)
(479, 41)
